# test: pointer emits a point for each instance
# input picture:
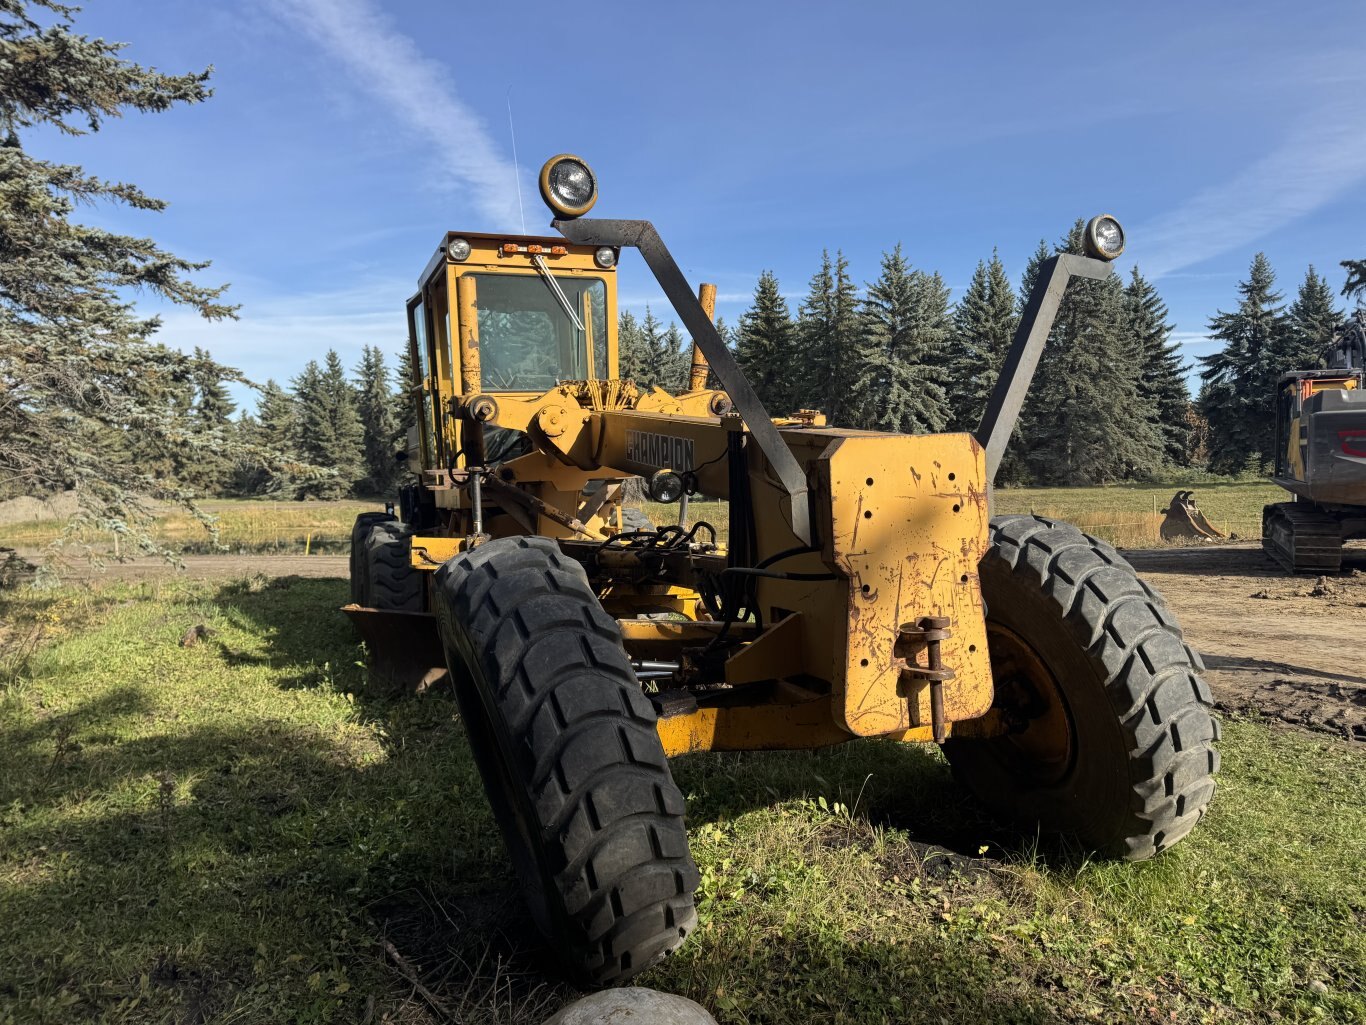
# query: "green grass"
(226, 832)
(244, 525)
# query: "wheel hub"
(1040, 741)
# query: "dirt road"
(1287, 648)
(213, 567)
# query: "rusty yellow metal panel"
(906, 519)
(752, 728)
(430, 553)
(775, 727)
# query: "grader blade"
(1185, 522)
(403, 649)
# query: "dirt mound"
(1338, 709)
(27, 510)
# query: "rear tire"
(1113, 740)
(360, 535)
(390, 580)
(566, 743)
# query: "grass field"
(1125, 515)
(244, 525)
(1129, 515)
(232, 832)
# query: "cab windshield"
(528, 341)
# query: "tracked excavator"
(1321, 458)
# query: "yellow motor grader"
(859, 588)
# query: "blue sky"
(346, 136)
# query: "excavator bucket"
(403, 649)
(1185, 522)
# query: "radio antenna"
(516, 169)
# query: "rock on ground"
(633, 1006)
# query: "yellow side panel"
(776, 727)
(430, 553)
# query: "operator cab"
(505, 315)
(1298, 394)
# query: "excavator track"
(1302, 537)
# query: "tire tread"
(1151, 674)
(586, 752)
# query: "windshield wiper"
(564, 302)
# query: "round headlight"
(568, 185)
(1104, 238)
(606, 257)
(458, 250)
(665, 486)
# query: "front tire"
(1110, 739)
(566, 743)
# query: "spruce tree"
(984, 323)
(84, 385)
(829, 332)
(277, 419)
(1355, 284)
(212, 411)
(675, 359)
(213, 406)
(329, 432)
(632, 354)
(1031, 272)
(729, 337)
(725, 332)
(1162, 391)
(374, 406)
(1237, 382)
(1313, 319)
(246, 477)
(1086, 422)
(901, 351)
(281, 473)
(659, 359)
(764, 347)
(403, 411)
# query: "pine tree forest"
(1110, 401)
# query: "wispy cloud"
(275, 337)
(419, 91)
(1317, 163)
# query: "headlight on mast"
(568, 185)
(1104, 238)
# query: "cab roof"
(547, 241)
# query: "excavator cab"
(1320, 460)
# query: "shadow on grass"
(907, 787)
(260, 868)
